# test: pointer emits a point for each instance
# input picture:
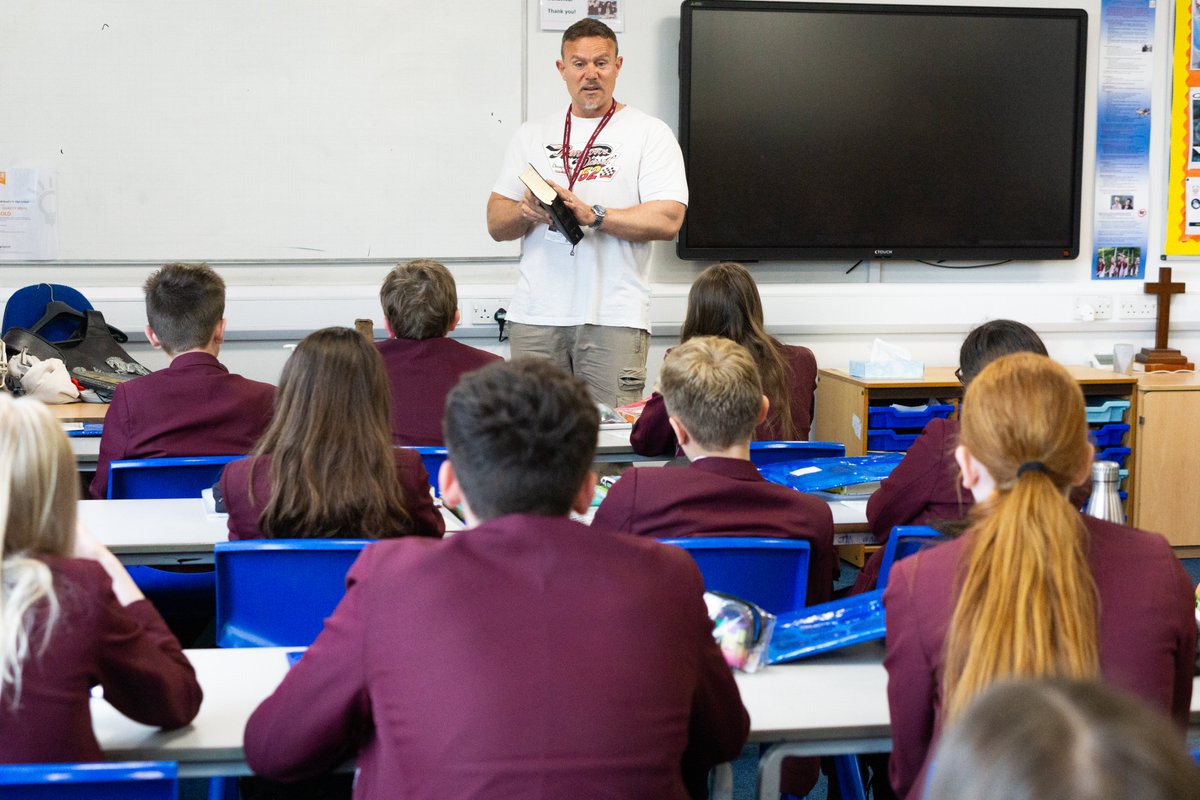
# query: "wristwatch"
(599, 211)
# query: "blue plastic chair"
(278, 592)
(149, 478)
(772, 573)
(130, 780)
(432, 458)
(773, 452)
(26, 307)
(178, 596)
(903, 541)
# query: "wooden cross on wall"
(1163, 357)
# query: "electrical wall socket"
(1089, 308)
(1138, 307)
(483, 312)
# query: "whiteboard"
(263, 129)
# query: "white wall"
(924, 308)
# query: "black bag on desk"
(95, 357)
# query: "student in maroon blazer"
(724, 301)
(104, 633)
(1031, 589)
(320, 472)
(714, 397)
(711, 387)
(420, 307)
(924, 488)
(526, 656)
(194, 407)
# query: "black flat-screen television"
(862, 131)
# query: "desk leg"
(722, 782)
(769, 765)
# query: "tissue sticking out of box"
(887, 361)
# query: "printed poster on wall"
(1183, 176)
(1122, 194)
(28, 229)
(558, 15)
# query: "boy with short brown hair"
(194, 407)
(420, 306)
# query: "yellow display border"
(1175, 241)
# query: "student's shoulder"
(465, 353)
(1123, 541)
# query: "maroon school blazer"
(925, 486)
(1147, 634)
(526, 658)
(127, 650)
(652, 434)
(421, 373)
(245, 513)
(721, 497)
(194, 407)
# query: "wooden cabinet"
(1166, 498)
(843, 403)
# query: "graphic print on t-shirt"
(601, 164)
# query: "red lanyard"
(583, 157)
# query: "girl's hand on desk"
(89, 547)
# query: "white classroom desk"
(166, 532)
(179, 531)
(612, 446)
(826, 705)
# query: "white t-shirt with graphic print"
(635, 159)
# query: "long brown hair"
(333, 471)
(1027, 604)
(724, 301)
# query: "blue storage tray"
(1108, 435)
(890, 440)
(1117, 454)
(819, 474)
(828, 626)
(1103, 410)
(899, 417)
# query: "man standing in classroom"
(620, 172)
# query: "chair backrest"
(278, 592)
(130, 780)
(153, 478)
(772, 573)
(773, 452)
(903, 541)
(26, 305)
(432, 458)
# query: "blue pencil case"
(828, 626)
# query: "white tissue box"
(887, 369)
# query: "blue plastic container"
(1117, 454)
(892, 417)
(1101, 410)
(890, 440)
(1109, 435)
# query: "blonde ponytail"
(1027, 605)
(38, 492)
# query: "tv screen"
(819, 131)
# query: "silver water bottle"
(1105, 502)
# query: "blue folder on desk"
(827, 626)
(86, 429)
(816, 474)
